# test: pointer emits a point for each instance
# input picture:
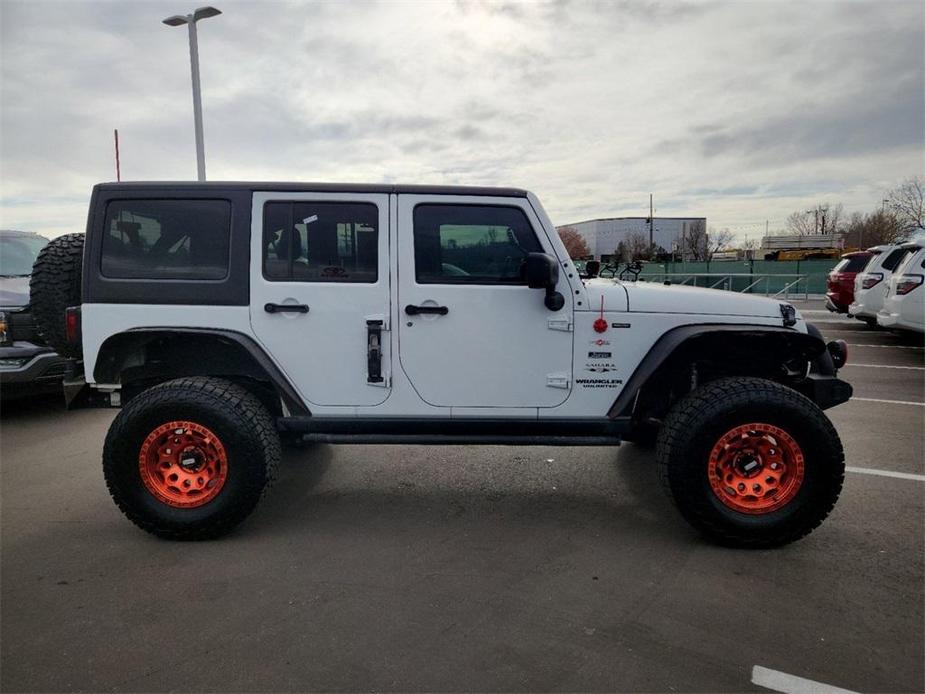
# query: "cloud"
(739, 112)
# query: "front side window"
(472, 244)
(166, 239)
(321, 241)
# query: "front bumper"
(887, 320)
(824, 390)
(24, 363)
(833, 303)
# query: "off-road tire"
(242, 424)
(698, 422)
(53, 287)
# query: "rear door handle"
(283, 308)
(413, 310)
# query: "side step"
(433, 431)
(460, 440)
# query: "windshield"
(17, 253)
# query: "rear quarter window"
(853, 264)
(894, 259)
(166, 239)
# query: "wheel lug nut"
(741, 487)
(756, 488)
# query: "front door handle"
(413, 310)
(283, 308)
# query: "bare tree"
(637, 246)
(750, 246)
(574, 242)
(907, 203)
(878, 227)
(821, 219)
(695, 242)
(717, 241)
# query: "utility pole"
(651, 222)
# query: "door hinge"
(375, 376)
(558, 380)
(563, 324)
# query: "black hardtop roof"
(397, 188)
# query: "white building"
(604, 235)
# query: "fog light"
(4, 328)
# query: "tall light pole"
(190, 21)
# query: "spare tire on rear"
(54, 286)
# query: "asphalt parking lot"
(373, 568)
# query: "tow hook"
(838, 350)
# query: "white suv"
(222, 316)
(904, 304)
(870, 285)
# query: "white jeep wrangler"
(222, 315)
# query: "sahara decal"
(620, 325)
(600, 367)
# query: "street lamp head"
(205, 13)
(176, 20)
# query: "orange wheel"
(756, 468)
(183, 464)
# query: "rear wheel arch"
(141, 358)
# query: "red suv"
(840, 282)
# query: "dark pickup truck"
(27, 365)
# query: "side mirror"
(543, 273)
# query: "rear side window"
(894, 259)
(321, 241)
(471, 244)
(166, 239)
(853, 264)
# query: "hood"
(656, 297)
(14, 292)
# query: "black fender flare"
(809, 346)
(109, 365)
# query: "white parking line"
(855, 344)
(885, 366)
(791, 684)
(891, 402)
(886, 473)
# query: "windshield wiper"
(25, 275)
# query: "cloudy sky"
(738, 111)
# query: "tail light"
(906, 283)
(872, 280)
(72, 324)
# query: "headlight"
(4, 329)
(11, 363)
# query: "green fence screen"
(747, 271)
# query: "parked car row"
(880, 286)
